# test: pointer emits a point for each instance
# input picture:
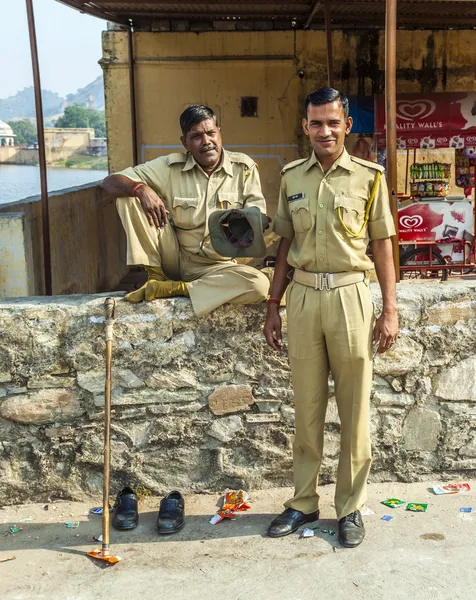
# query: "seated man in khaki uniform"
(164, 207)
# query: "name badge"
(296, 197)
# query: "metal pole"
(45, 215)
(132, 91)
(330, 63)
(391, 118)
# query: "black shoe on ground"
(126, 513)
(290, 520)
(351, 530)
(171, 513)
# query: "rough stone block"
(94, 381)
(288, 414)
(174, 380)
(275, 393)
(458, 382)
(405, 356)
(149, 397)
(225, 429)
(5, 377)
(268, 406)
(44, 406)
(230, 398)
(166, 409)
(36, 383)
(3, 392)
(263, 418)
(382, 398)
(451, 313)
(421, 430)
(53, 432)
(16, 390)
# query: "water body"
(22, 181)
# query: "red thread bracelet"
(273, 301)
(134, 189)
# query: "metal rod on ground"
(45, 216)
(132, 92)
(391, 118)
(330, 62)
(109, 306)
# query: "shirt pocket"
(185, 212)
(300, 215)
(228, 200)
(350, 215)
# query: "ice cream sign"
(440, 120)
(434, 221)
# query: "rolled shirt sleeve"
(283, 223)
(154, 173)
(381, 225)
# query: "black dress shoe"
(126, 513)
(290, 520)
(171, 513)
(351, 530)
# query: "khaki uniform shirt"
(307, 213)
(190, 195)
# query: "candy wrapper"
(452, 488)
(393, 502)
(417, 506)
(233, 501)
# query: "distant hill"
(22, 104)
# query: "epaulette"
(176, 157)
(367, 163)
(293, 164)
(240, 157)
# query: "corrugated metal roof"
(440, 14)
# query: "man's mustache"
(208, 148)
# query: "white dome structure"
(7, 137)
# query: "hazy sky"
(69, 46)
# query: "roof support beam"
(391, 118)
(330, 62)
(45, 217)
(314, 10)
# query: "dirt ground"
(420, 556)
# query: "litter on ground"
(452, 488)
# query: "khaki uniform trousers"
(331, 330)
(211, 283)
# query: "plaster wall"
(173, 70)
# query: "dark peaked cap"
(238, 232)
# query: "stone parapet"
(204, 404)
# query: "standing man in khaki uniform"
(330, 205)
(164, 207)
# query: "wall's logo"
(409, 110)
(442, 140)
(470, 139)
(409, 222)
(413, 141)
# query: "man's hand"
(272, 328)
(386, 331)
(153, 206)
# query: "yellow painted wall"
(174, 70)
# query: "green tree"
(79, 116)
(25, 131)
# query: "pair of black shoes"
(171, 512)
(351, 527)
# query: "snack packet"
(393, 502)
(233, 501)
(417, 506)
(452, 488)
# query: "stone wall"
(204, 404)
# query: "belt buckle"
(322, 281)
